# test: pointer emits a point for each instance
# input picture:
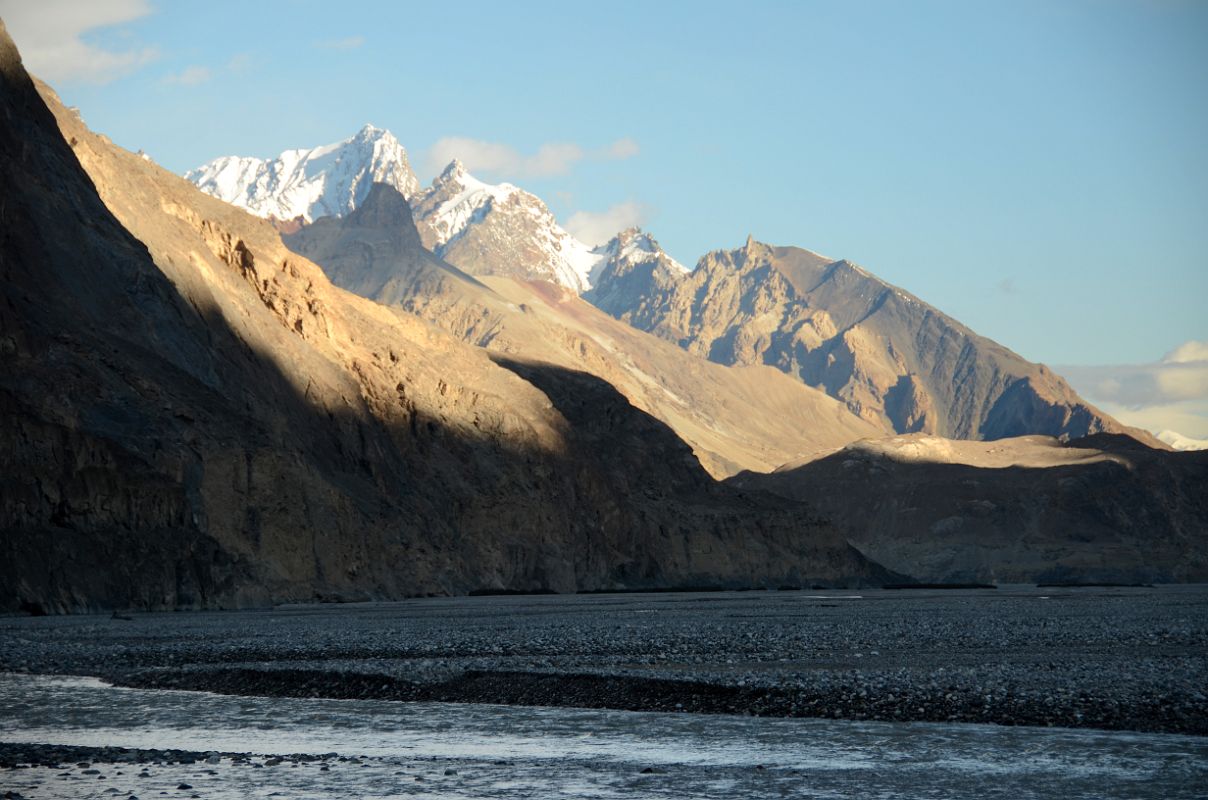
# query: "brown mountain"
(1104, 508)
(891, 358)
(192, 415)
(742, 417)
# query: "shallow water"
(515, 752)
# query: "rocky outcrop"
(1104, 508)
(733, 417)
(908, 406)
(891, 358)
(192, 416)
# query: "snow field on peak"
(642, 247)
(310, 183)
(570, 260)
(332, 179)
(630, 248)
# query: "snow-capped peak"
(310, 183)
(452, 172)
(633, 240)
(466, 218)
(482, 228)
(629, 248)
(454, 200)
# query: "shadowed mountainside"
(1104, 508)
(745, 417)
(196, 417)
(891, 358)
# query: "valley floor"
(1110, 658)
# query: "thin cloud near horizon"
(1168, 394)
(343, 43)
(500, 160)
(190, 76)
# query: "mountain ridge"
(888, 355)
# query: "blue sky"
(1037, 170)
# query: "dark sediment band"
(831, 699)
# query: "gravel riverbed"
(1111, 658)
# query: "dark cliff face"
(894, 360)
(86, 515)
(195, 417)
(1105, 508)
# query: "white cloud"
(48, 34)
(621, 149)
(1187, 351)
(1189, 418)
(1183, 380)
(346, 43)
(191, 76)
(1171, 394)
(504, 161)
(598, 227)
(493, 158)
(555, 158)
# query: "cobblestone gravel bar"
(1127, 658)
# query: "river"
(457, 750)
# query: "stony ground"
(59, 771)
(1114, 658)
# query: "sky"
(1038, 170)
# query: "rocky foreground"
(1110, 658)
